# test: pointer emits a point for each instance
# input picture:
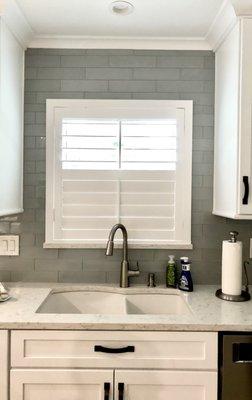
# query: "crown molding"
(110, 42)
(14, 18)
(225, 19)
(222, 24)
(242, 7)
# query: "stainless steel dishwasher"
(235, 366)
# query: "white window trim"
(183, 204)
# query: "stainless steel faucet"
(126, 272)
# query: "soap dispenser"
(185, 281)
(171, 273)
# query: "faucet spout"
(125, 270)
(110, 244)
(110, 248)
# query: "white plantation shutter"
(118, 161)
(90, 144)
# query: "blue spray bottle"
(185, 281)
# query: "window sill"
(118, 244)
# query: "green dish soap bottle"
(171, 272)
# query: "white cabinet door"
(233, 124)
(164, 385)
(245, 111)
(61, 385)
(4, 365)
(11, 121)
(227, 61)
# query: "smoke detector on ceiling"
(121, 7)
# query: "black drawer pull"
(102, 349)
(106, 390)
(120, 391)
(246, 190)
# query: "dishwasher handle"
(242, 353)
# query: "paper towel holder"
(245, 295)
(233, 236)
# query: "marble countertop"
(208, 313)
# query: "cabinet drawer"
(176, 350)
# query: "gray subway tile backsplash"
(180, 86)
(196, 74)
(156, 73)
(132, 61)
(84, 85)
(132, 86)
(181, 61)
(109, 73)
(4, 227)
(73, 61)
(116, 74)
(82, 277)
(41, 60)
(42, 85)
(60, 73)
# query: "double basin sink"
(106, 302)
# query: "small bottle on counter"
(185, 281)
(171, 272)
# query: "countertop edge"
(126, 327)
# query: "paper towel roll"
(231, 282)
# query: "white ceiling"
(92, 18)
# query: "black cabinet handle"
(106, 390)
(120, 391)
(246, 190)
(102, 349)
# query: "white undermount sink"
(107, 303)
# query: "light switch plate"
(9, 245)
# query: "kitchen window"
(111, 161)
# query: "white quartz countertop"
(208, 313)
